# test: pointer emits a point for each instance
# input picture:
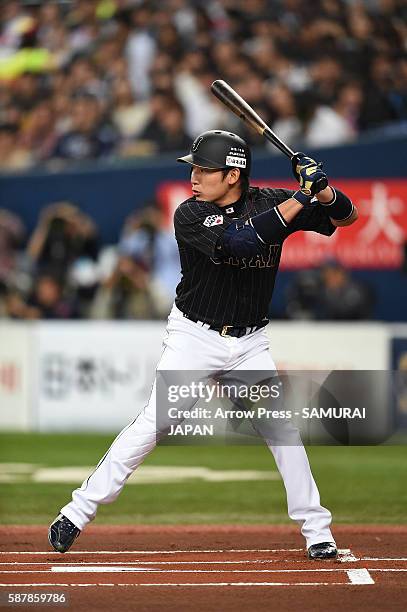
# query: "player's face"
(211, 185)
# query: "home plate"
(360, 576)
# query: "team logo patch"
(213, 220)
(239, 162)
(196, 143)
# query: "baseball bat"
(230, 98)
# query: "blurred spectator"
(386, 95)
(89, 135)
(108, 59)
(348, 104)
(15, 307)
(343, 298)
(134, 145)
(28, 90)
(47, 301)
(38, 132)
(49, 18)
(83, 23)
(302, 296)
(11, 241)
(338, 124)
(147, 239)
(13, 156)
(283, 108)
(125, 294)
(63, 235)
(329, 294)
(166, 131)
(15, 20)
(127, 291)
(140, 48)
(326, 74)
(129, 116)
(202, 111)
(84, 80)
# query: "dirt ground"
(200, 568)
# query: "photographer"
(63, 235)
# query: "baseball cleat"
(323, 550)
(62, 533)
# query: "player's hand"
(309, 174)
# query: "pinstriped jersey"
(222, 290)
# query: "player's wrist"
(327, 196)
(302, 198)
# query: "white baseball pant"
(192, 346)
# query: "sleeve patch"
(213, 220)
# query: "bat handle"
(278, 143)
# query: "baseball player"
(230, 237)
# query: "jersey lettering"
(232, 261)
(258, 261)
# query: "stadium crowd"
(92, 79)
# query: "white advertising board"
(94, 376)
(360, 350)
(329, 346)
(15, 363)
(97, 376)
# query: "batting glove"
(309, 174)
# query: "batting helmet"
(219, 149)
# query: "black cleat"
(62, 533)
(323, 550)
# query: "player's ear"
(233, 176)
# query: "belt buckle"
(224, 331)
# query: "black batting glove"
(309, 174)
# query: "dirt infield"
(207, 568)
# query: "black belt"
(229, 330)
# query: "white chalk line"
(361, 574)
(150, 552)
(73, 569)
(212, 562)
(101, 569)
(80, 563)
(350, 558)
(382, 559)
(387, 569)
(171, 584)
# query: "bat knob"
(320, 184)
